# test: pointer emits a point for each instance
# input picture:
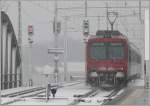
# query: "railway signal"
(56, 27)
(30, 39)
(86, 27)
(30, 30)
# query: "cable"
(80, 0)
(47, 9)
(82, 15)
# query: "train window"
(116, 50)
(98, 51)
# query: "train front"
(107, 59)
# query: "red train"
(111, 59)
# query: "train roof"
(114, 34)
(108, 34)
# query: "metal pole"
(30, 63)
(107, 15)
(66, 74)
(85, 8)
(140, 17)
(145, 86)
(85, 39)
(149, 52)
(20, 39)
(56, 44)
(0, 46)
(19, 24)
(29, 67)
(98, 23)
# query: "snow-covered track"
(14, 94)
(100, 96)
(88, 94)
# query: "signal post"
(30, 39)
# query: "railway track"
(113, 95)
(31, 92)
(100, 95)
(16, 96)
(19, 93)
(79, 97)
(87, 97)
(34, 91)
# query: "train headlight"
(119, 75)
(111, 69)
(121, 68)
(115, 69)
(102, 68)
(93, 74)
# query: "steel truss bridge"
(11, 75)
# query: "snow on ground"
(92, 101)
(7, 99)
(63, 96)
(70, 91)
(97, 99)
(8, 91)
(137, 82)
(52, 101)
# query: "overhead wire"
(42, 7)
(79, 0)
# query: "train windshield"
(115, 51)
(101, 51)
(98, 51)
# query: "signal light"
(86, 27)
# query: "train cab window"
(98, 51)
(116, 51)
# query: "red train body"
(109, 59)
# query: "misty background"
(40, 14)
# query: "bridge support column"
(14, 49)
(18, 75)
(9, 47)
(4, 54)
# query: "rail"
(88, 94)
(14, 94)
